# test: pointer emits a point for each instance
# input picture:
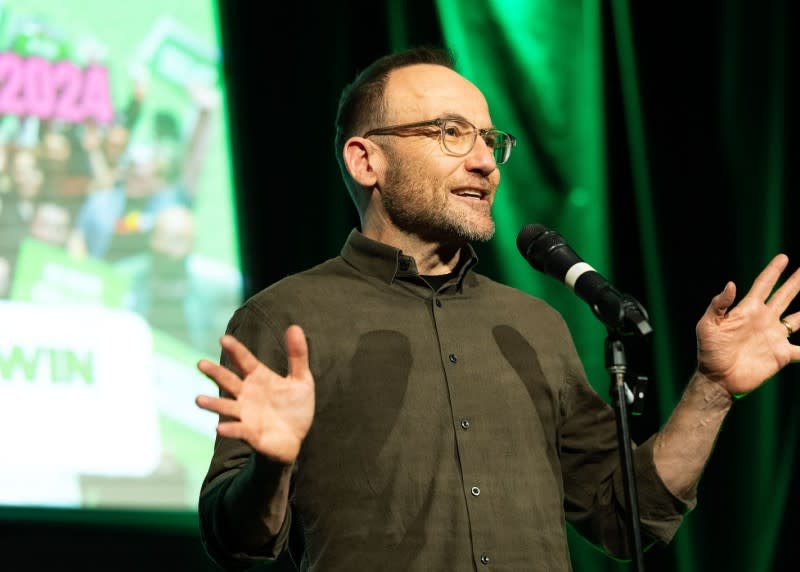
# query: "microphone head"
(527, 235)
(526, 239)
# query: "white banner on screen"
(76, 398)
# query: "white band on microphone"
(576, 271)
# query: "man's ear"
(362, 158)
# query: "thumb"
(722, 302)
(297, 350)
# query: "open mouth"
(471, 194)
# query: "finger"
(241, 356)
(766, 280)
(231, 429)
(721, 302)
(228, 408)
(793, 322)
(784, 295)
(297, 350)
(222, 376)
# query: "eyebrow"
(447, 115)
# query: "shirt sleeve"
(231, 467)
(594, 493)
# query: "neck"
(432, 258)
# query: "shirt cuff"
(660, 511)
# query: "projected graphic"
(118, 255)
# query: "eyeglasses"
(458, 136)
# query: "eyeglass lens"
(459, 137)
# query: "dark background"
(284, 70)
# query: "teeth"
(472, 194)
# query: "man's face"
(141, 176)
(56, 150)
(171, 243)
(26, 175)
(115, 142)
(425, 190)
(173, 233)
(51, 224)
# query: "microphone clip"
(632, 385)
(622, 314)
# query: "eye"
(456, 129)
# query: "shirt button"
(452, 358)
(485, 558)
(465, 424)
(438, 303)
(476, 491)
(403, 264)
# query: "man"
(115, 223)
(179, 292)
(51, 223)
(17, 208)
(404, 412)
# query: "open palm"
(743, 346)
(270, 412)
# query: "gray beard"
(432, 225)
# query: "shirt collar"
(389, 263)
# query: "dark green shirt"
(454, 429)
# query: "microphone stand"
(632, 322)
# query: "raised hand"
(743, 346)
(270, 412)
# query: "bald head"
(425, 91)
(362, 103)
(173, 232)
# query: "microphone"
(548, 252)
